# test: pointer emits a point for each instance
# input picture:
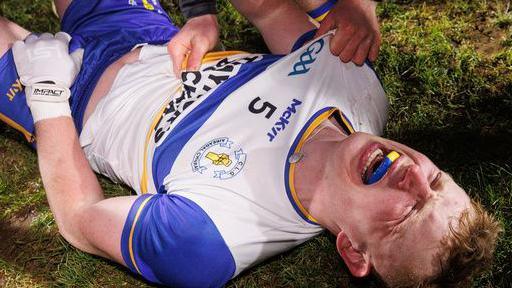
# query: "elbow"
(70, 230)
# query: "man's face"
(401, 219)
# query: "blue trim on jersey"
(287, 164)
(107, 30)
(321, 115)
(322, 9)
(347, 130)
(175, 243)
(165, 154)
(125, 236)
(303, 39)
(370, 64)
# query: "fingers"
(355, 47)
(178, 52)
(18, 53)
(326, 25)
(342, 38)
(357, 36)
(31, 38)
(17, 46)
(46, 36)
(199, 48)
(198, 36)
(63, 36)
(374, 49)
(361, 53)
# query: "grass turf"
(447, 69)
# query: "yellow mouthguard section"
(393, 155)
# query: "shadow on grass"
(46, 259)
(29, 252)
(314, 263)
(452, 148)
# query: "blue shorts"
(106, 30)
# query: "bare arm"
(280, 23)
(69, 181)
(85, 219)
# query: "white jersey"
(223, 136)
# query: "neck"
(311, 182)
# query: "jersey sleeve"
(321, 12)
(170, 240)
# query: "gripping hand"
(199, 35)
(357, 34)
(47, 70)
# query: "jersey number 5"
(256, 108)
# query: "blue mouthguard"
(383, 167)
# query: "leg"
(9, 33)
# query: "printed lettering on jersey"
(307, 58)
(219, 158)
(153, 6)
(16, 87)
(284, 120)
(148, 5)
(195, 85)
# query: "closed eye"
(436, 180)
(409, 213)
(403, 222)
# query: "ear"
(357, 261)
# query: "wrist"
(43, 111)
(206, 19)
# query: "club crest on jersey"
(307, 58)
(219, 158)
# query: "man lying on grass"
(246, 158)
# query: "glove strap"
(48, 101)
(52, 93)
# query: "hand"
(47, 70)
(199, 35)
(357, 36)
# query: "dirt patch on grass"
(33, 252)
(486, 37)
(13, 231)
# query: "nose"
(416, 183)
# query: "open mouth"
(377, 165)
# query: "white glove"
(47, 71)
